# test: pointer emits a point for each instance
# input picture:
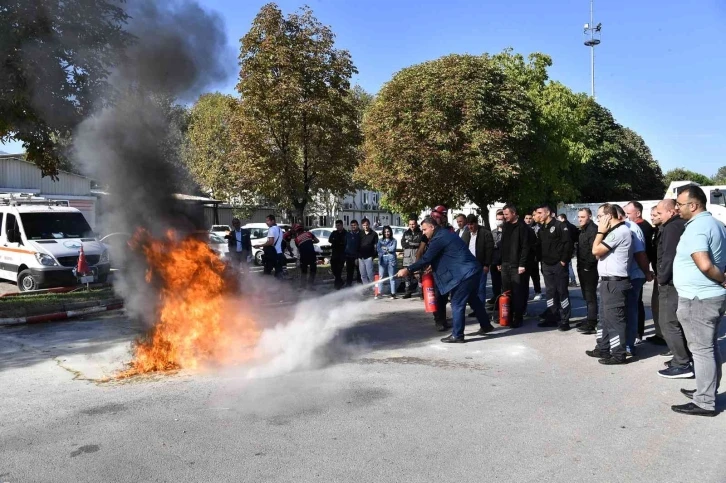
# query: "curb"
(57, 316)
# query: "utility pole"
(592, 38)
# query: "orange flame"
(198, 324)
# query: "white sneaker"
(537, 297)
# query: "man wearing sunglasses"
(698, 276)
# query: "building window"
(323, 220)
(346, 220)
(309, 220)
(375, 198)
(365, 197)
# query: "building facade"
(20, 176)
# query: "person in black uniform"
(338, 241)
(587, 269)
(556, 254)
(517, 243)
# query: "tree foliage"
(209, 148)
(297, 128)
(682, 174)
(494, 128)
(57, 58)
(465, 127)
(720, 176)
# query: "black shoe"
(490, 302)
(579, 324)
(442, 327)
(563, 327)
(693, 410)
(516, 324)
(654, 339)
(596, 352)
(547, 323)
(393, 296)
(453, 340)
(406, 295)
(587, 329)
(471, 314)
(677, 372)
(667, 353)
(482, 331)
(611, 361)
(688, 393)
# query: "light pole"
(592, 38)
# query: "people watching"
(410, 242)
(387, 262)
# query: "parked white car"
(258, 234)
(323, 234)
(220, 230)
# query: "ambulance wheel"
(27, 282)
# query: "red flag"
(82, 267)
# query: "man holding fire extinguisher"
(457, 273)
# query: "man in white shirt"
(272, 248)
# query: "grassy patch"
(20, 301)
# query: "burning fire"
(197, 322)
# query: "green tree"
(297, 128)
(720, 176)
(682, 174)
(463, 128)
(209, 150)
(57, 57)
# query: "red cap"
(440, 209)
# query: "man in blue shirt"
(456, 272)
(698, 275)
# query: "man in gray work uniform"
(612, 247)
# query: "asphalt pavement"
(386, 402)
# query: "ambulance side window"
(12, 232)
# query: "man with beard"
(439, 217)
(517, 240)
(456, 272)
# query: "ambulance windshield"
(49, 226)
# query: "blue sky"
(660, 68)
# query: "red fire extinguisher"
(427, 285)
(375, 289)
(505, 309)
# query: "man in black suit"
(239, 244)
(481, 244)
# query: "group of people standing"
(617, 253)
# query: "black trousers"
(272, 260)
(641, 315)
(336, 265)
(519, 286)
(533, 272)
(441, 301)
(557, 280)
(351, 265)
(308, 265)
(588, 286)
(613, 319)
(672, 330)
(496, 277)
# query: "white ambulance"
(41, 241)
